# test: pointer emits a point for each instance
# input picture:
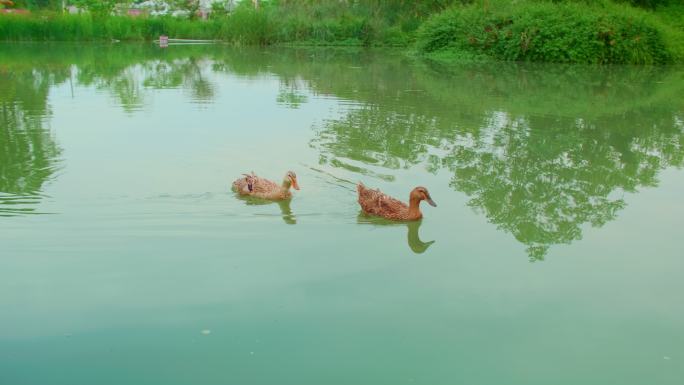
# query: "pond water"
(554, 255)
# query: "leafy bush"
(650, 3)
(544, 31)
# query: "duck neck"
(414, 208)
(285, 187)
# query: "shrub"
(544, 31)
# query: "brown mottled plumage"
(375, 202)
(263, 188)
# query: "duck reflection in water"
(285, 209)
(414, 242)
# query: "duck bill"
(431, 202)
(295, 185)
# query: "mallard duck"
(263, 188)
(375, 202)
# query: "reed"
(572, 31)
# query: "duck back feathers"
(375, 202)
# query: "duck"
(253, 185)
(375, 202)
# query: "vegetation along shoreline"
(564, 31)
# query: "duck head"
(420, 193)
(291, 180)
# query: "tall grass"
(318, 22)
(570, 32)
(323, 22)
(57, 27)
(245, 26)
(574, 31)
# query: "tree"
(97, 7)
(189, 6)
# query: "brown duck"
(375, 202)
(255, 186)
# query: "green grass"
(55, 27)
(571, 31)
(545, 31)
(327, 22)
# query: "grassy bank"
(574, 31)
(57, 27)
(327, 22)
(570, 32)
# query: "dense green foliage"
(544, 31)
(650, 3)
(295, 21)
(579, 31)
(85, 27)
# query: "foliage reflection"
(540, 150)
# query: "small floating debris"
(666, 358)
(164, 41)
(206, 332)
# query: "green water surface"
(554, 255)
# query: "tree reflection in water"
(540, 153)
(28, 152)
(29, 155)
(540, 150)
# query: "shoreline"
(527, 31)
